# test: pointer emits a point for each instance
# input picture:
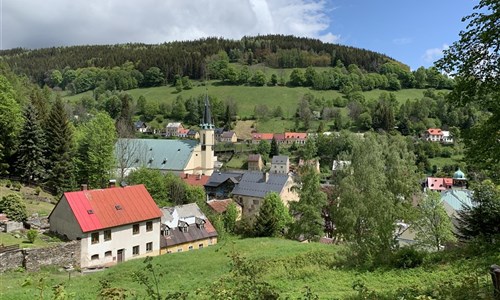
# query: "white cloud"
(33, 24)
(431, 55)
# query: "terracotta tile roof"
(220, 206)
(296, 135)
(279, 137)
(434, 131)
(439, 184)
(194, 179)
(262, 136)
(105, 208)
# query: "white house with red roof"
(113, 225)
(433, 135)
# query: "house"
(254, 186)
(295, 137)
(183, 133)
(113, 225)
(193, 134)
(447, 138)
(228, 137)
(439, 184)
(173, 129)
(433, 135)
(220, 206)
(255, 162)
(185, 228)
(141, 127)
(165, 155)
(218, 133)
(221, 184)
(279, 138)
(280, 164)
(194, 179)
(314, 163)
(340, 165)
(257, 137)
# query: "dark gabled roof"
(219, 130)
(217, 178)
(194, 233)
(140, 124)
(254, 157)
(253, 184)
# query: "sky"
(414, 32)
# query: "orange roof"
(435, 131)
(195, 180)
(296, 135)
(105, 208)
(262, 136)
(439, 184)
(183, 131)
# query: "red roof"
(104, 208)
(296, 135)
(193, 179)
(279, 137)
(439, 184)
(262, 136)
(434, 131)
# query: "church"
(176, 156)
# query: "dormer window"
(90, 211)
(118, 207)
(184, 229)
(164, 161)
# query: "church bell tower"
(207, 139)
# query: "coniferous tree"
(30, 164)
(275, 150)
(59, 135)
(11, 120)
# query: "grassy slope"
(285, 267)
(248, 97)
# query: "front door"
(120, 255)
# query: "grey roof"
(161, 154)
(140, 124)
(207, 122)
(219, 177)
(253, 184)
(279, 159)
(457, 199)
(227, 134)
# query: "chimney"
(83, 187)
(265, 176)
(112, 183)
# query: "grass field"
(287, 265)
(442, 161)
(247, 97)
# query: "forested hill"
(188, 58)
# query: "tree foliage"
(273, 216)
(13, 206)
(433, 225)
(11, 119)
(95, 158)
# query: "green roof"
(459, 175)
(161, 154)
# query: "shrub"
(13, 206)
(38, 190)
(407, 258)
(17, 186)
(8, 184)
(32, 234)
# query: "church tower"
(207, 139)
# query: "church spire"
(207, 116)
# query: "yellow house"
(185, 228)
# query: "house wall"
(185, 247)
(122, 237)
(280, 168)
(63, 221)
(288, 194)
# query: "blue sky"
(413, 32)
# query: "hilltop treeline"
(188, 58)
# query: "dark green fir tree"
(60, 140)
(275, 149)
(30, 162)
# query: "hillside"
(287, 265)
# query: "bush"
(17, 186)
(32, 234)
(407, 258)
(8, 184)
(38, 190)
(13, 206)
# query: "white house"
(280, 164)
(114, 224)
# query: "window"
(107, 254)
(94, 257)
(135, 229)
(179, 250)
(149, 226)
(149, 247)
(107, 235)
(135, 250)
(200, 246)
(190, 247)
(95, 237)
